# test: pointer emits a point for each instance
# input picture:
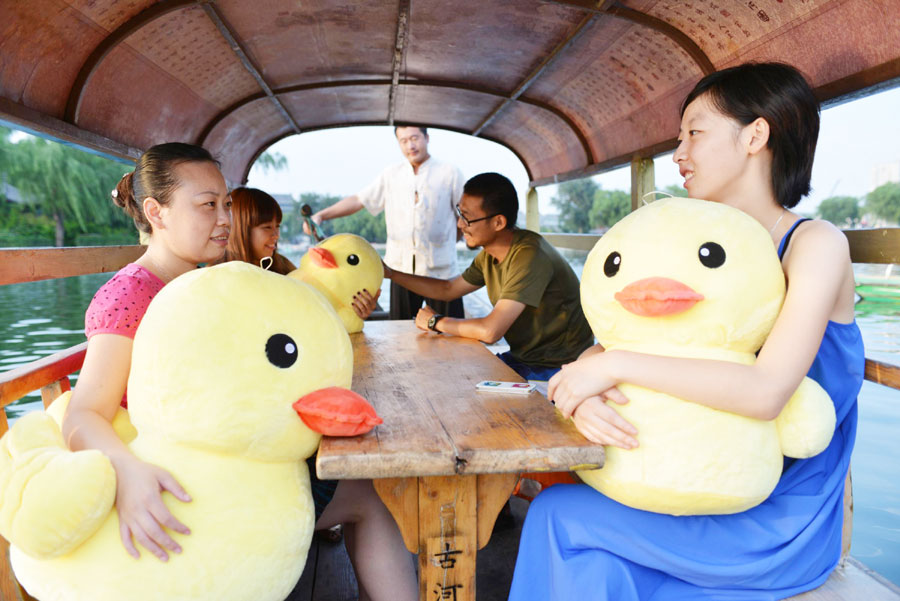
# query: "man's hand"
(423, 316)
(316, 218)
(388, 272)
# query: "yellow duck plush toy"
(340, 266)
(236, 373)
(691, 278)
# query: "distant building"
(884, 173)
(549, 222)
(285, 201)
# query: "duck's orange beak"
(322, 257)
(653, 297)
(336, 411)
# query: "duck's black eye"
(353, 260)
(612, 264)
(281, 351)
(712, 255)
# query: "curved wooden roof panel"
(571, 86)
(296, 43)
(235, 141)
(483, 44)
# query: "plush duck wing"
(51, 499)
(806, 424)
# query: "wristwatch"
(433, 321)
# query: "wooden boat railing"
(51, 374)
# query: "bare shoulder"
(819, 270)
(820, 240)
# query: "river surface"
(41, 318)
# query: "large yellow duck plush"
(236, 374)
(691, 278)
(340, 266)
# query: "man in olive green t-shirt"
(533, 289)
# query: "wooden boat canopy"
(572, 87)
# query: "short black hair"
(424, 130)
(498, 196)
(779, 94)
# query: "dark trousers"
(405, 304)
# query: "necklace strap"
(780, 217)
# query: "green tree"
(676, 190)
(66, 183)
(361, 223)
(609, 207)
(575, 201)
(274, 161)
(884, 202)
(843, 211)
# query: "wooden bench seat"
(853, 581)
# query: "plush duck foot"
(53, 499)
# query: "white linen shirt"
(425, 229)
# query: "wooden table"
(447, 457)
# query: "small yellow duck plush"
(691, 278)
(236, 373)
(340, 266)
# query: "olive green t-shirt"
(552, 329)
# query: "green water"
(41, 318)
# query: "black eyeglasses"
(468, 221)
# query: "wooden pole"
(532, 211)
(642, 180)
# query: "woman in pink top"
(177, 195)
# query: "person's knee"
(544, 505)
(359, 501)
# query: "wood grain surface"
(435, 423)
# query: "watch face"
(431, 322)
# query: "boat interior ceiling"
(572, 87)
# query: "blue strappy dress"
(578, 544)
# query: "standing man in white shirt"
(419, 198)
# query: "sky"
(854, 137)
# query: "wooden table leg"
(494, 491)
(449, 518)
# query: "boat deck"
(329, 577)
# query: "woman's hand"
(588, 376)
(142, 513)
(364, 303)
(602, 424)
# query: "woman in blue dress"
(747, 139)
